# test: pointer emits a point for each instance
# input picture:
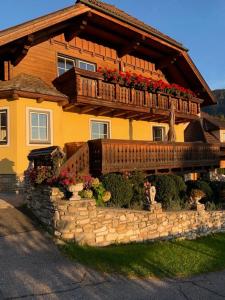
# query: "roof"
(195, 132)
(16, 36)
(212, 123)
(31, 84)
(40, 23)
(125, 17)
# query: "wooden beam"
(8, 70)
(74, 31)
(132, 46)
(23, 50)
(39, 100)
(131, 115)
(76, 28)
(145, 117)
(103, 110)
(119, 114)
(167, 61)
(86, 109)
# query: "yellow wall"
(67, 127)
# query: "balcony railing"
(89, 88)
(122, 155)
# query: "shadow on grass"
(159, 259)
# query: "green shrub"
(180, 185)
(201, 185)
(120, 188)
(166, 191)
(218, 188)
(210, 206)
(137, 180)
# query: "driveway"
(31, 267)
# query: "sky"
(197, 24)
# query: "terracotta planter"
(75, 189)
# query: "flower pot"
(75, 189)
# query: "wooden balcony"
(105, 156)
(89, 93)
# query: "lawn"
(178, 258)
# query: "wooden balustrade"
(92, 85)
(85, 88)
(122, 155)
(78, 162)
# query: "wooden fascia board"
(14, 94)
(40, 24)
(137, 30)
(199, 76)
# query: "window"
(86, 65)
(3, 126)
(39, 127)
(158, 133)
(67, 63)
(99, 130)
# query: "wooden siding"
(41, 59)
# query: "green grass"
(179, 258)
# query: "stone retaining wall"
(82, 221)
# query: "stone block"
(63, 225)
(83, 222)
(67, 236)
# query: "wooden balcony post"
(131, 95)
(117, 91)
(99, 88)
(198, 108)
(189, 106)
(180, 104)
(78, 85)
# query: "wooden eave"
(14, 94)
(41, 23)
(143, 27)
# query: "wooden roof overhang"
(90, 20)
(16, 94)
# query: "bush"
(120, 188)
(201, 185)
(180, 185)
(137, 180)
(166, 191)
(218, 188)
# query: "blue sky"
(198, 24)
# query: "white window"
(66, 63)
(3, 126)
(39, 127)
(99, 130)
(158, 133)
(86, 65)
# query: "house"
(55, 90)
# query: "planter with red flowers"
(142, 83)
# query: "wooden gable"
(100, 28)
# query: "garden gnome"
(152, 194)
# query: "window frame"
(2, 143)
(75, 61)
(108, 122)
(163, 133)
(49, 140)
